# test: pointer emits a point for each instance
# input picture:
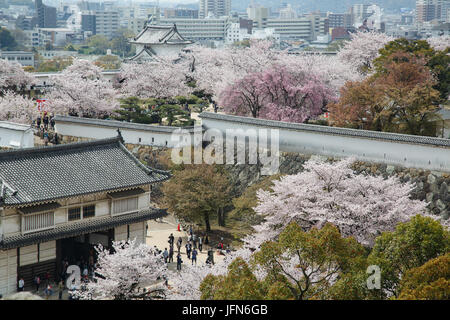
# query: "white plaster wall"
(102, 208)
(160, 139)
(60, 216)
(144, 201)
(11, 224)
(8, 271)
(364, 149)
(15, 138)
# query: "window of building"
(74, 214)
(125, 205)
(89, 211)
(38, 221)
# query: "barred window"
(88, 211)
(75, 213)
(38, 221)
(125, 205)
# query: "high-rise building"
(287, 12)
(428, 10)
(171, 13)
(106, 22)
(88, 22)
(215, 8)
(46, 16)
(259, 15)
(337, 20)
(359, 13)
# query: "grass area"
(232, 233)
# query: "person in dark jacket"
(179, 262)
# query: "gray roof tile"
(81, 227)
(44, 174)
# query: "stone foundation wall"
(431, 186)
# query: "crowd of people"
(45, 122)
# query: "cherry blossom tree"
(162, 78)
(439, 43)
(362, 49)
(277, 93)
(12, 76)
(361, 206)
(81, 90)
(120, 274)
(16, 108)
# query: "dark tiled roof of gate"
(45, 174)
(126, 193)
(40, 207)
(329, 130)
(82, 227)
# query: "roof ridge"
(66, 146)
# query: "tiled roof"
(78, 228)
(328, 130)
(153, 34)
(126, 193)
(43, 174)
(40, 207)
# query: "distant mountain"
(306, 6)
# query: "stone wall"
(431, 186)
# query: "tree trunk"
(220, 217)
(207, 225)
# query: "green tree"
(239, 284)
(7, 41)
(430, 281)
(411, 245)
(244, 204)
(54, 65)
(309, 261)
(131, 110)
(120, 43)
(108, 62)
(99, 44)
(196, 193)
(174, 114)
(437, 61)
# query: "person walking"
(194, 256)
(52, 122)
(206, 240)
(179, 262)
(21, 284)
(45, 137)
(194, 240)
(38, 122)
(179, 244)
(171, 239)
(37, 282)
(200, 244)
(45, 120)
(165, 255)
(188, 250)
(60, 289)
(190, 229)
(171, 254)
